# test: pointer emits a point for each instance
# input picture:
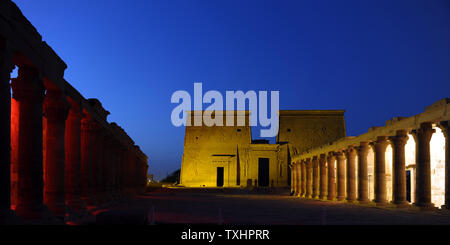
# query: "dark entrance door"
(263, 172)
(219, 176)
(408, 185)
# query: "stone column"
(399, 173)
(293, 179)
(351, 174)
(73, 158)
(297, 179)
(56, 109)
(97, 166)
(315, 173)
(323, 176)
(88, 149)
(445, 126)
(28, 90)
(340, 160)
(107, 167)
(308, 165)
(6, 67)
(331, 176)
(423, 176)
(363, 174)
(380, 169)
(304, 174)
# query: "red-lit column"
(28, 90)
(97, 155)
(56, 109)
(6, 67)
(399, 190)
(363, 175)
(73, 158)
(423, 176)
(107, 167)
(380, 169)
(331, 176)
(315, 177)
(323, 176)
(340, 161)
(445, 126)
(351, 174)
(308, 166)
(88, 148)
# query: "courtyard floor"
(218, 206)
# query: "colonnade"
(59, 154)
(340, 170)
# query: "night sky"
(375, 59)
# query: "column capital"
(425, 132)
(445, 127)
(56, 107)
(28, 86)
(400, 138)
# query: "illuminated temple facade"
(60, 157)
(226, 156)
(404, 163)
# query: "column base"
(401, 204)
(425, 206)
(308, 196)
(363, 201)
(340, 198)
(331, 198)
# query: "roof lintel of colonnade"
(435, 113)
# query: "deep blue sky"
(376, 59)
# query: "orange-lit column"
(323, 176)
(351, 174)
(363, 175)
(56, 109)
(399, 190)
(73, 158)
(303, 172)
(88, 148)
(6, 67)
(445, 126)
(315, 173)
(28, 90)
(308, 165)
(380, 169)
(340, 161)
(423, 176)
(331, 176)
(299, 178)
(293, 184)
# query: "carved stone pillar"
(294, 189)
(340, 160)
(351, 174)
(6, 67)
(73, 158)
(380, 169)
(445, 126)
(399, 187)
(323, 176)
(297, 179)
(363, 174)
(97, 160)
(423, 176)
(315, 173)
(28, 90)
(308, 166)
(56, 109)
(304, 174)
(108, 167)
(89, 128)
(331, 176)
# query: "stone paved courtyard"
(213, 206)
